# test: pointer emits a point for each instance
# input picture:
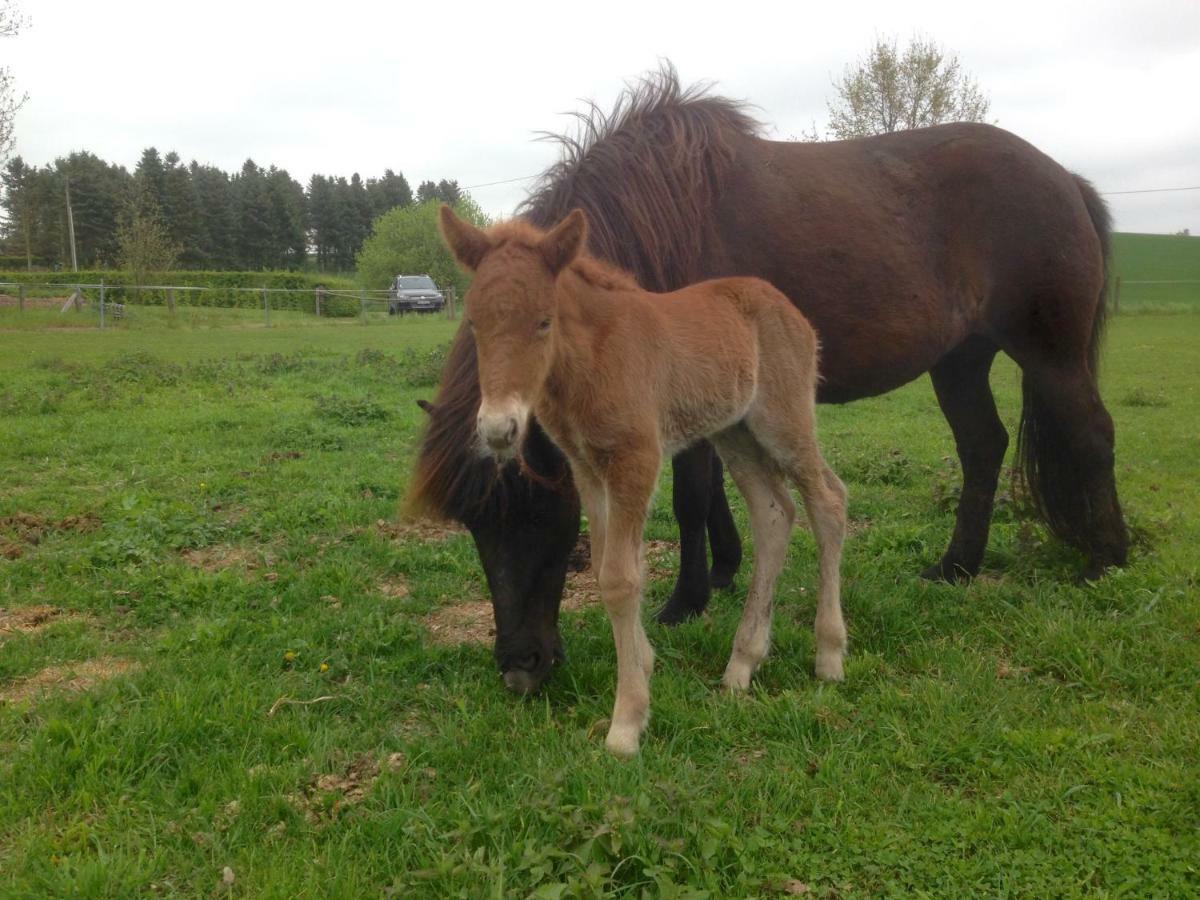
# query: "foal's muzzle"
(500, 428)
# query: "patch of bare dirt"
(394, 587)
(418, 529)
(325, 797)
(30, 619)
(472, 621)
(277, 455)
(220, 557)
(74, 677)
(582, 590)
(26, 529)
(469, 622)
(1006, 669)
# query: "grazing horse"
(618, 377)
(922, 251)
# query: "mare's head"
(512, 309)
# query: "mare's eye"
(544, 325)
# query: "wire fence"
(112, 304)
(108, 305)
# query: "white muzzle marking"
(501, 427)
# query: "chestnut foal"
(619, 378)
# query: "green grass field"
(1157, 271)
(222, 676)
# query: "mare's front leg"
(692, 498)
(628, 485)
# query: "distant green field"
(1152, 267)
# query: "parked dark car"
(415, 293)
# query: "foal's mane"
(647, 174)
(595, 271)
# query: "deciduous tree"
(11, 101)
(894, 89)
(406, 241)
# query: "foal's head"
(512, 309)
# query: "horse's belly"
(696, 414)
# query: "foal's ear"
(564, 242)
(466, 242)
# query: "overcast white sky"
(457, 90)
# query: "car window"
(415, 283)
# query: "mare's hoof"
(1093, 573)
(948, 572)
(677, 612)
(720, 580)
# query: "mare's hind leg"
(961, 382)
(772, 514)
(1068, 455)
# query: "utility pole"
(71, 228)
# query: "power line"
(1150, 191)
(471, 187)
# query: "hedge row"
(220, 287)
(18, 262)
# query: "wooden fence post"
(171, 300)
(21, 298)
(102, 303)
(317, 300)
(266, 308)
(362, 303)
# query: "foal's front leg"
(627, 498)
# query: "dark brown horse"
(921, 251)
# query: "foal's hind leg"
(772, 514)
(961, 382)
(788, 434)
(825, 503)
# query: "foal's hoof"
(948, 572)
(622, 742)
(737, 677)
(829, 667)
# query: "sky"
(460, 90)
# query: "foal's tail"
(1050, 469)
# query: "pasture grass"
(202, 505)
(1158, 272)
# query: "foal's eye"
(544, 325)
